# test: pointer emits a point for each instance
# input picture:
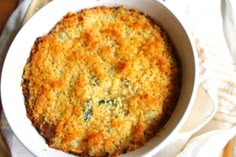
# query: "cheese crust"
(102, 82)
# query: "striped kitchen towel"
(212, 24)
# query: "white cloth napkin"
(212, 122)
(212, 24)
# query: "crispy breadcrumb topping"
(102, 82)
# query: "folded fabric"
(212, 122)
(212, 24)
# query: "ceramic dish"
(43, 21)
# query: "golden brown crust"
(102, 82)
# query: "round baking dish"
(44, 20)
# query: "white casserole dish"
(43, 21)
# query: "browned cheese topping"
(102, 82)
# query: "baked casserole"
(102, 82)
